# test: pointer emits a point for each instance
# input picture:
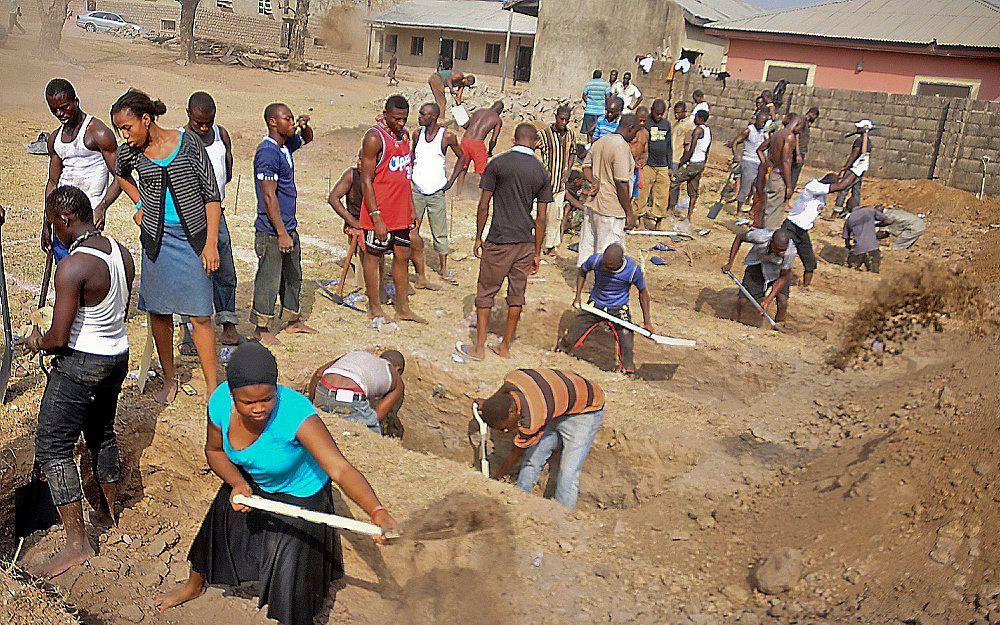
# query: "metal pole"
(371, 35)
(506, 51)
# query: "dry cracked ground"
(745, 481)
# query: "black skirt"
(294, 561)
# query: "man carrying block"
(614, 276)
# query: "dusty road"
(882, 476)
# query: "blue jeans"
(577, 433)
(224, 280)
(360, 410)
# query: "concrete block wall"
(917, 137)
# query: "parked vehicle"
(93, 21)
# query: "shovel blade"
(714, 211)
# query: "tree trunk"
(53, 14)
(186, 29)
(297, 40)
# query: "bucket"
(460, 114)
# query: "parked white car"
(93, 21)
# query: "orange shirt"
(543, 395)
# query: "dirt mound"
(931, 198)
(23, 602)
(906, 304)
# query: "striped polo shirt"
(543, 395)
(555, 151)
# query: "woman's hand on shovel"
(390, 528)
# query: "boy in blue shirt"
(279, 256)
(614, 276)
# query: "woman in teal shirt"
(267, 440)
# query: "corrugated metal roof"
(715, 10)
(474, 15)
(964, 23)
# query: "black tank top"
(354, 195)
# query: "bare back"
(481, 123)
(781, 146)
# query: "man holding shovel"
(768, 264)
(545, 407)
(614, 276)
(93, 285)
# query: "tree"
(186, 32)
(297, 40)
(53, 13)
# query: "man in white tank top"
(362, 387)
(219, 147)
(749, 163)
(88, 337)
(692, 163)
(431, 142)
(82, 154)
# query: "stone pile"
(520, 106)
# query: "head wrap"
(251, 363)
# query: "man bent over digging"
(546, 407)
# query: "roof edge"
(928, 47)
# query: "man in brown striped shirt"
(546, 406)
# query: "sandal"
(463, 350)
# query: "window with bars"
(264, 7)
(461, 50)
(493, 53)
(226, 6)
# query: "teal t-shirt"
(276, 461)
(170, 215)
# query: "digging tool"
(352, 248)
(147, 356)
(982, 188)
(336, 299)
(753, 300)
(660, 339)
(236, 201)
(484, 463)
(8, 334)
(716, 208)
(659, 233)
(298, 512)
(44, 293)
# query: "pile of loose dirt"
(23, 602)
(931, 198)
(904, 305)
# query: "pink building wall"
(884, 71)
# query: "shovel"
(322, 518)
(660, 340)
(336, 299)
(8, 333)
(484, 463)
(753, 300)
(716, 208)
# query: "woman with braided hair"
(178, 209)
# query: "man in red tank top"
(387, 205)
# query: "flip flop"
(662, 247)
(493, 348)
(656, 260)
(187, 348)
(462, 350)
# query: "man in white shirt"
(699, 102)
(808, 206)
(628, 92)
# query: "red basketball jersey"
(392, 183)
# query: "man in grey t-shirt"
(768, 264)
(861, 238)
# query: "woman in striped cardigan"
(178, 211)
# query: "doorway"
(522, 64)
(447, 55)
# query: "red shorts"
(475, 152)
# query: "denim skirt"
(176, 282)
